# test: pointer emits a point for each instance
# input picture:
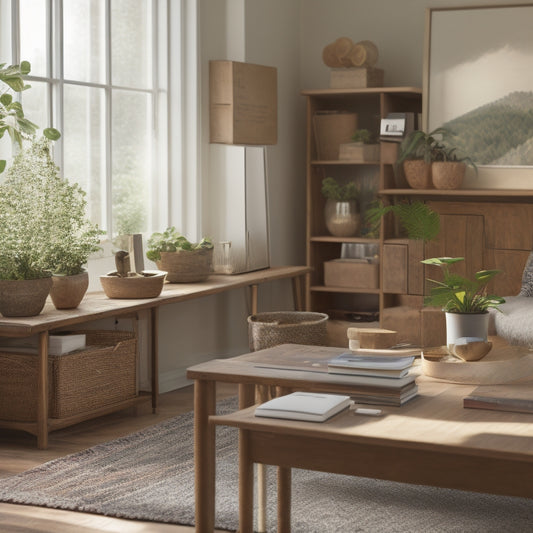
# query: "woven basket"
(186, 266)
(79, 382)
(418, 174)
(286, 327)
(447, 174)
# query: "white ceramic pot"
(472, 325)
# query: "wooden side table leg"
(42, 392)
(262, 393)
(297, 293)
(154, 348)
(246, 484)
(204, 455)
(284, 499)
(254, 290)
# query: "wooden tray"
(503, 364)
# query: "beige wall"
(289, 35)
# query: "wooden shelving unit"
(370, 104)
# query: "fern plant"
(418, 220)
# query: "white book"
(350, 360)
(62, 344)
(310, 406)
(377, 373)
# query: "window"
(99, 76)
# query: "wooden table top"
(97, 305)
(435, 420)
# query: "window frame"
(159, 93)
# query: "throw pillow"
(527, 278)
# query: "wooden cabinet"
(369, 105)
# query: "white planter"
(474, 325)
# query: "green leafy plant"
(12, 119)
(332, 190)
(173, 241)
(434, 146)
(43, 221)
(457, 294)
(417, 218)
(364, 136)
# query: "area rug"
(149, 475)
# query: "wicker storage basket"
(79, 382)
(286, 327)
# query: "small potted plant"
(464, 301)
(184, 261)
(421, 154)
(341, 211)
(363, 148)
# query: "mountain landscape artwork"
(480, 84)
(499, 133)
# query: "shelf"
(396, 91)
(322, 162)
(476, 193)
(329, 238)
(323, 288)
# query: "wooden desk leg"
(262, 393)
(246, 484)
(42, 392)
(284, 499)
(154, 319)
(204, 455)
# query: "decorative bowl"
(147, 285)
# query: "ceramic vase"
(67, 292)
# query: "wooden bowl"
(149, 285)
(471, 351)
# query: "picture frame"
(478, 83)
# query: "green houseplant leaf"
(457, 294)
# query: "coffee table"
(431, 440)
(286, 367)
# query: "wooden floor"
(18, 453)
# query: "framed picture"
(478, 83)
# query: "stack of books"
(384, 380)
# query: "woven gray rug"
(149, 475)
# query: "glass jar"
(342, 218)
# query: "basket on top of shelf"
(103, 374)
(286, 327)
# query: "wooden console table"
(97, 306)
(431, 440)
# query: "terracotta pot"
(447, 174)
(186, 266)
(23, 297)
(68, 291)
(342, 218)
(149, 285)
(418, 174)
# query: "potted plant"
(363, 148)
(464, 301)
(184, 261)
(421, 154)
(341, 212)
(72, 237)
(448, 168)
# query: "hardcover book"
(310, 406)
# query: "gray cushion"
(527, 278)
